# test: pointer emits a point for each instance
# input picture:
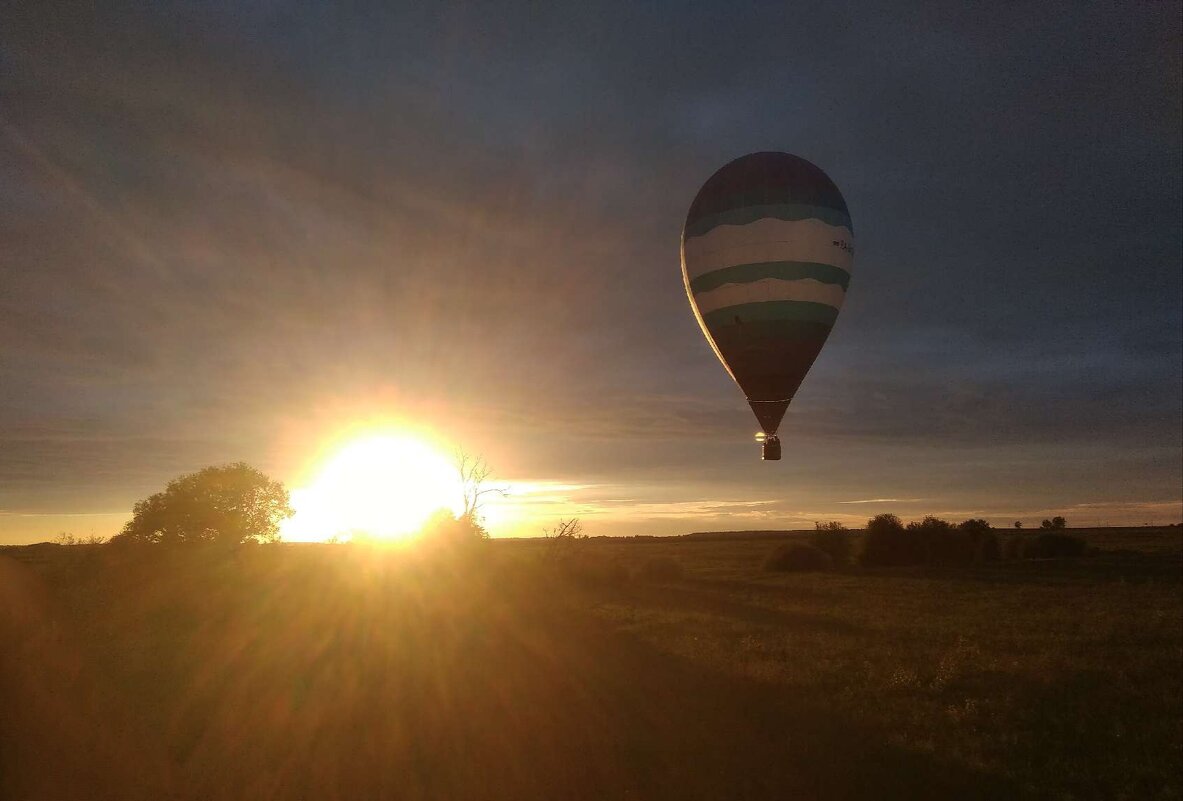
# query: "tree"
(886, 542)
(475, 475)
(884, 523)
(983, 540)
(1059, 522)
(1018, 524)
(936, 540)
(228, 504)
(975, 526)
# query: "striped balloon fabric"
(766, 256)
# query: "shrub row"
(931, 541)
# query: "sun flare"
(382, 485)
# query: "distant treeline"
(887, 541)
(796, 533)
(752, 534)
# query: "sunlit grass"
(509, 669)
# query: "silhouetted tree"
(475, 475)
(938, 541)
(886, 542)
(1059, 522)
(986, 547)
(1018, 524)
(975, 526)
(228, 504)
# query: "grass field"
(324, 672)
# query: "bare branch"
(475, 474)
(565, 529)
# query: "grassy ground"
(326, 672)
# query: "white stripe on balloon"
(768, 240)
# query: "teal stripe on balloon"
(781, 211)
(804, 194)
(785, 270)
(800, 310)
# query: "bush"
(660, 568)
(1054, 546)
(446, 529)
(887, 543)
(834, 539)
(798, 557)
(65, 538)
(987, 548)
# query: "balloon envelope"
(766, 256)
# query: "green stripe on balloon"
(785, 270)
(774, 310)
(780, 211)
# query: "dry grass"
(335, 672)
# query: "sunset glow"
(383, 485)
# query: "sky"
(230, 231)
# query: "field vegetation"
(578, 668)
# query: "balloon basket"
(771, 449)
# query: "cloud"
(884, 500)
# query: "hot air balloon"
(766, 255)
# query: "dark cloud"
(215, 218)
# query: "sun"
(383, 485)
